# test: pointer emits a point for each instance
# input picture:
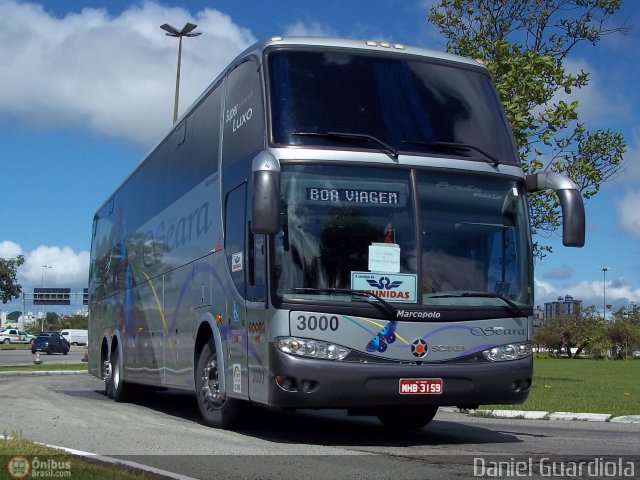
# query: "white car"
(13, 335)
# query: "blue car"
(50, 343)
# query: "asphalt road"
(25, 357)
(163, 430)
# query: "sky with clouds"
(86, 90)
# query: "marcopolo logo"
(416, 314)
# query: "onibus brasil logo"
(22, 467)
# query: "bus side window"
(244, 129)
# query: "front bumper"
(298, 382)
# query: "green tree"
(524, 44)
(75, 321)
(9, 286)
(572, 332)
(624, 332)
(52, 322)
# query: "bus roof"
(365, 45)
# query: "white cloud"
(597, 104)
(56, 266)
(628, 209)
(560, 272)
(124, 87)
(51, 266)
(631, 170)
(619, 292)
(309, 29)
(9, 249)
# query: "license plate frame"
(420, 386)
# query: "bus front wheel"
(216, 410)
(407, 418)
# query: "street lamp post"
(604, 292)
(44, 272)
(187, 31)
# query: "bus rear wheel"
(116, 387)
(407, 417)
(216, 410)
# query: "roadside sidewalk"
(540, 415)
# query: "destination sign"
(352, 195)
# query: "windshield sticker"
(397, 287)
(236, 262)
(384, 257)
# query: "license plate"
(420, 386)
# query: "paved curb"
(554, 416)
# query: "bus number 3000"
(318, 323)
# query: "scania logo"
(419, 348)
(491, 331)
(384, 283)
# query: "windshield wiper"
(512, 305)
(456, 146)
(386, 306)
(385, 147)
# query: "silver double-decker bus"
(333, 224)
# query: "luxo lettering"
(244, 118)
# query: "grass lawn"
(15, 346)
(583, 385)
(50, 463)
(44, 367)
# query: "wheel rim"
(211, 384)
(115, 372)
(107, 373)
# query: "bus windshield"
(413, 106)
(343, 229)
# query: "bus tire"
(407, 417)
(117, 388)
(216, 412)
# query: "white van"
(75, 336)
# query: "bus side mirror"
(265, 213)
(573, 218)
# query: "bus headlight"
(311, 348)
(512, 351)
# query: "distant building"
(562, 307)
(538, 317)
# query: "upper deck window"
(345, 99)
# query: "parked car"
(14, 335)
(75, 336)
(50, 343)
